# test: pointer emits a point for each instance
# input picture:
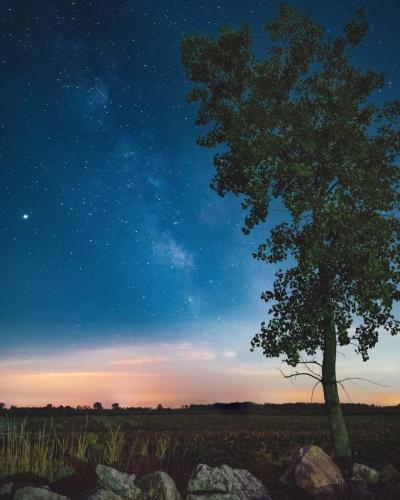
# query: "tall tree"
(299, 127)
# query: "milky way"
(108, 227)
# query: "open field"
(64, 448)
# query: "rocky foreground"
(312, 475)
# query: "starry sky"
(122, 273)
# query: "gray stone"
(361, 472)
(159, 485)
(6, 489)
(31, 493)
(224, 483)
(120, 483)
(103, 494)
(313, 472)
(388, 473)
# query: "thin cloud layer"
(173, 374)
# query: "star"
(25, 216)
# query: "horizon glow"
(179, 373)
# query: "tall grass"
(23, 451)
(50, 454)
(114, 445)
(150, 450)
(162, 444)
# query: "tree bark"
(337, 424)
(339, 434)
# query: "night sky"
(113, 246)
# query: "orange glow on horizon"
(185, 373)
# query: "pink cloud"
(174, 374)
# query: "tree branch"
(295, 374)
(345, 391)
(364, 379)
(306, 363)
(313, 389)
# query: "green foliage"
(299, 127)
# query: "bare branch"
(296, 374)
(365, 380)
(312, 362)
(306, 363)
(313, 389)
(345, 391)
(354, 344)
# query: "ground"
(64, 448)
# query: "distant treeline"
(237, 407)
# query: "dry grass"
(114, 445)
(47, 454)
(23, 451)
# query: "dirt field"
(63, 449)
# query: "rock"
(31, 493)
(359, 491)
(388, 473)
(313, 472)
(224, 483)
(120, 483)
(103, 494)
(361, 472)
(159, 485)
(7, 489)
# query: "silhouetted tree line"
(234, 407)
(294, 408)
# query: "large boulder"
(120, 483)
(7, 489)
(390, 478)
(31, 493)
(388, 474)
(224, 483)
(313, 472)
(361, 472)
(159, 485)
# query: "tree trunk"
(340, 436)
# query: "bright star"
(25, 216)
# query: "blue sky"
(109, 231)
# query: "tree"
(115, 406)
(299, 128)
(97, 406)
(2, 406)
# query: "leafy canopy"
(299, 127)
